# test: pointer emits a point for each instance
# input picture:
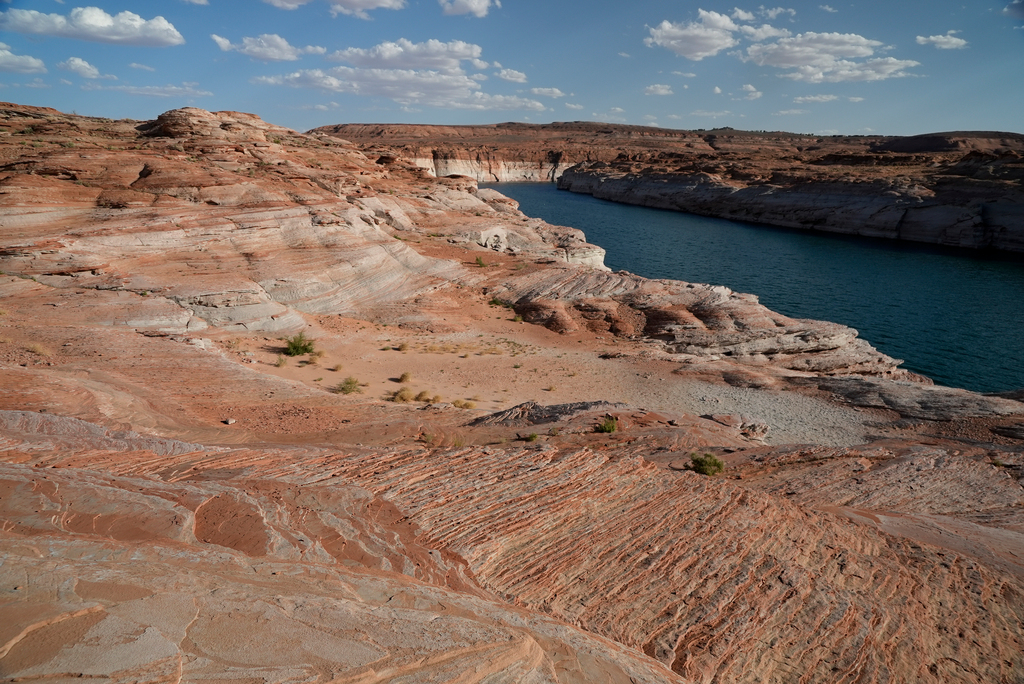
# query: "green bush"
(608, 425)
(299, 345)
(348, 386)
(707, 464)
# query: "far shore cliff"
(959, 189)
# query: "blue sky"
(888, 67)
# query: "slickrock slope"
(480, 471)
(194, 576)
(716, 580)
(960, 189)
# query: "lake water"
(955, 316)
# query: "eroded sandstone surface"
(960, 189)
(481, 471)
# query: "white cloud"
(827, 57)
(775, 12)
(713, 115)
(195, 2)
(184, 90)
(752, 93)
(143, 67)
(674, 117)
(855, 99)
(19, 64)
(268, 47)
(512, 75)
(287, 4)
(478, 8)
(946, 42)
(717, 90)
(742, 15)
(695, 40)
(815, 98)
(449, 90)
(617, 110)
(826, 8)
(92, 23)
(684, 74)
(763, 32)
(547, 92)
(1015, 9)
(79, 66)
(658, 89)
(570, 105)
(624, 54)
(356, 8)
(404, 54)
(37, 83)
(790, 112)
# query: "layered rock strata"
(959, 189)
(716, 580)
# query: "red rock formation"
(218, 512)
(960, 189)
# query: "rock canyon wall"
(959, 189)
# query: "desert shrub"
(480, 262)
(707, 464)
(281, 361)
(38, 349)
(403, 347)
(347, 386)
(405, 377)
(461, 403)
(299, 345)
(532, 437)
(402, 396)
(609, 424)
(423, 396)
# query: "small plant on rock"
(299, 345)
(707, 464)
(608, 425)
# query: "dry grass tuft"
(38, 349)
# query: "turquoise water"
(955, 316)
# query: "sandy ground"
(498, 363)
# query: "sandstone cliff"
(960, 189)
